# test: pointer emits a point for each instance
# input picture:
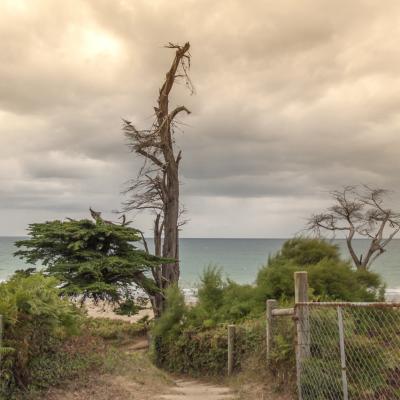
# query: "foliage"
(304, 251)
(199, 352)
(211, 290)
(115, 330)
(329, 277)
(48, 339)
(36, 321)
(194, 339)
(371, 349)
(97, 260)
(171, 319)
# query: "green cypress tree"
(98, 260)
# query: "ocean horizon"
(239, 258)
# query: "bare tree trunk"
(349, 240)
(171, 239)
(158, 228)
(359, 212)
(157, 187)
(170, 271)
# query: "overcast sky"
(293, 98)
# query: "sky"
(293, 98)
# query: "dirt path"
(111, 387)
(192, 390)
(132, 376)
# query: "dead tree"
(156, 187)
(359, 212)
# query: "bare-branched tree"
(156, 187)
(359, 212)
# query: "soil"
(138, 379)
(111, 387)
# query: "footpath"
(193, 390)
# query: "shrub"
(329, 277)
(204, 352)
(194, 340)
(211, 290)
(36, 321)
(221, 301)
(115, 330)
(304, 251)
(170, 321)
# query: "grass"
(122, 376)
(116, 331)
(96, 364)
(254, 381)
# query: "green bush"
(305, 251)
(222, 301)
(329, 277)
(169, 324)
(204, 352)
(36, 322)
(194, 339)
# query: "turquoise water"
(239, 258)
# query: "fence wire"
(348, 351)
(281, 362)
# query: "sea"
(239, 259)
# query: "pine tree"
(93, 259)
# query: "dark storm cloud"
(292, 98)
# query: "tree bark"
(157, 186)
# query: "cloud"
(292, 99)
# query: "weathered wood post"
(231, 348)
(302, 323)
(271, 305)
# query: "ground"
(137, 379)
(130, 375)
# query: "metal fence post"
(271, 305)
(302, 323)
(342, 353)
(231, 348)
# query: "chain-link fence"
(348, 351)
(281, 358)
(245, 341)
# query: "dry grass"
(131, 376)
(254, 382)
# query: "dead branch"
(156, 188)
(359, 211)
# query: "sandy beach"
(105, 310)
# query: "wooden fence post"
(231, 348)
(302, 323)
(271, 305)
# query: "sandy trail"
(193, 390)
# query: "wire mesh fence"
(281, 360)
(348, 351)
(249, 342)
